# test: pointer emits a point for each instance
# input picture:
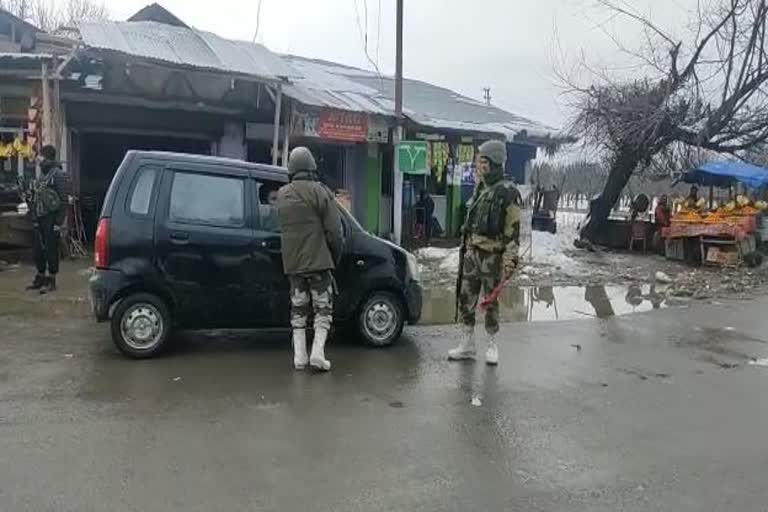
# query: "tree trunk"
(621, 170)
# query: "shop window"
(211, 200)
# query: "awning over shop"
(724, 174)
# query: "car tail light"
(101, 253)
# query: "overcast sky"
(511, 46)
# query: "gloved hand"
(510, 263)
(510, 260)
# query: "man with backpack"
(50, 194)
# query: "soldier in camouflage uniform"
(311, 235)
(492, 237)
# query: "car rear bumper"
(104, 285)
(413, 301)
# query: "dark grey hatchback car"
(191, 242)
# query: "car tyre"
(141, 326)
(381, 319)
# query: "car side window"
(267, 205)
(141, 195)
(206, 199)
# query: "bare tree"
(706, 95)
(20, 8)
(48, 16)
(76, 11)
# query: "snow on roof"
(23, 61)
(327, 84)
(185, 47)
(25, 56)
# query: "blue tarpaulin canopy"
(724, 174)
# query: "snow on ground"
(550, 254)
(554, 261)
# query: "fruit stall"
(727, 234)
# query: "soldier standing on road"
(492, 235)
(50, 194)
(311, 235)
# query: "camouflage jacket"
(493, 219)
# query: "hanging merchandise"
(23, 149)
(6, 150)
(466, 153)
(17, 148)
(440, 158)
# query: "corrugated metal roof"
(326, 84)
(185, 47)
(312, 82)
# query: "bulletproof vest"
(488, 214)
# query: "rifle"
(460, 276)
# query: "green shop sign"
(412, 157)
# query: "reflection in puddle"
(554, 303)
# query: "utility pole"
(487, 95)
(399, 66)
(397, 200)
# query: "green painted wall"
(373, 186)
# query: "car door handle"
(179, 238)
(271, 245)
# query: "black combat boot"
(38, 282)
(49, 286)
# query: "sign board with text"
(412, 157)
(343, 126)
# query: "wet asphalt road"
(655, 411)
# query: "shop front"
(25, 125)
(350, 150)
(438, 179)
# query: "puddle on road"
(547, 303)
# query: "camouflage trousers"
(482, 273)
(312, 293)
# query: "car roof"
(274, 170)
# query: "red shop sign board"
(344, 126)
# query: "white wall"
(232, 142)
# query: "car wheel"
(141, 325)
(381, 319)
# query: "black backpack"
(47, 200)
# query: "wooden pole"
(287, 134)
(276, 134)
(56, 115)
(47, 118)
